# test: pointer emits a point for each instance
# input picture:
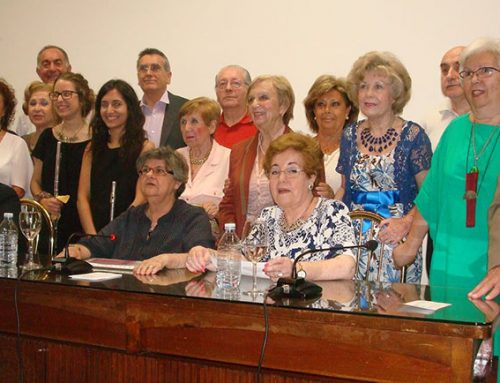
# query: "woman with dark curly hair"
(73, 100)
(118, 138)
(15, 163)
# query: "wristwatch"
(301, 273)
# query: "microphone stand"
(69, 265)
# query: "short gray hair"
(46, 47)
(481, 45)
(173, 161)
(246, 74)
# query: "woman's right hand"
(199, 259)
(53, 206)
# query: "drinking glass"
(255, 243)
(30, 223)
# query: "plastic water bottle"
(229, 259)
(8, 240)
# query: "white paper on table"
(246, 269)
(95, 277)
(427, 305)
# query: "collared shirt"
(182, 228)
(436, 122)
(208, 184)
(154, 118)
(229, 135)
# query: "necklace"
(287, 228)
(476, 155)
(67, 139)
(472, 186)
(378, 144)
(199, 161)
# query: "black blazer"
(171, 131)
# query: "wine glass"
(30, 223)
(255, 245)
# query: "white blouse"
(16, 166)
(208, 184)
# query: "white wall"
(299, 39)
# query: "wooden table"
(176, 328)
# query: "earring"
(310, 187)
(347, 117)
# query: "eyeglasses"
(290, 172)
(236, 84)
(144, 68)
(65, 94)
(483, 72)
(156, 171)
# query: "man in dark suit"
(160, 107)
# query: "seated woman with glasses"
(163, 225)
(73, 100)
(108, 180)
(299, 221)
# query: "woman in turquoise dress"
(454, 200)
(383, 159)
(470, 144)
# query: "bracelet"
(43, 194)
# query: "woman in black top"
(73, 100)
(118, 138)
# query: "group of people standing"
(237, 159)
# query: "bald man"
(455, 103)
(51, 61)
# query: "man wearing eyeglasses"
(51, 62)
(160, 107)
(231, 86)
(455, 103)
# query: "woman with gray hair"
(163, 225)
(454, 200)
(383, 159)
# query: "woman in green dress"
(454, 200)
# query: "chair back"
(366, 227)
(47, 225)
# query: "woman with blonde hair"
(383, 158)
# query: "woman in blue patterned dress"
(383, 159)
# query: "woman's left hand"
(150, 266)
(393, 230)
(324, 190)
(278, 267)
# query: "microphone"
(70, 266)
(300, 288)
(370, 245)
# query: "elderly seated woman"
(164, 224)
(299, 221)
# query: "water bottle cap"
(8, 215)
(230, 226)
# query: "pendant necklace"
(472, 177)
